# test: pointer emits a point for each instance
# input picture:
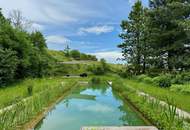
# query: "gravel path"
(180, 112)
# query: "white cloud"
(48, 11)
(96, 30)
(97, 108)
(57, 39)
(109, 56)
(38, 27)
(132, 2)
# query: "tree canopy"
(157, 37)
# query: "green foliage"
(38, 40)
(98, 70)
(123, 73)
(157, 38)
(30, 90)
(141, 77)
(81, 56)
(167, 119)
(75, 54)
(132, 35)
(104, 65)
(185, 89)
(162, 81)
(8, 65)
(24, 110)
(145, 78)
(148, 80)
(24, 54)
(95, 80)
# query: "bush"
(178, 79)
(123, 74)
(98, 70)
(75, 54)
(104, 65)
(186, 77)
(162, 81)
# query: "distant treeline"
(24, 54)
(157, 38)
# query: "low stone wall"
(121, 128)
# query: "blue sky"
(91, 26)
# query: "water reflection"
(96, 106)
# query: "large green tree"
(8, 65)
(22, 54)
(132, 34)
(170, 33)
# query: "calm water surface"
(91, 107)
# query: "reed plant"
(23, 111)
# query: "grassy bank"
(167, 118)
(181, 100)
(18, 91)
(24, 110)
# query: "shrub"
(162, 81)
(186, 77)
(98, 70)
(123, 74)
(178, 79)
(75, 54)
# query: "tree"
(18, 21)
(8, 65)
(67, 51)
(38, 40)
(30, 49)
(75, 54)
(104, 64)
(170, 32)
(132, 36)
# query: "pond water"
(90, 107)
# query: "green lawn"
(181, 100)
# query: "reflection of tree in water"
(101, 87)
(116, 95)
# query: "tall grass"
(165, 117)
(24, 110)
(181, 100)
(18, 91)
